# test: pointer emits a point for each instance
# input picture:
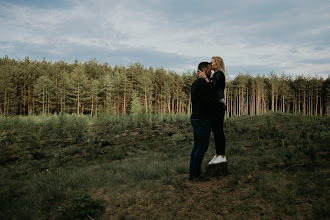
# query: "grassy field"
(75, 167)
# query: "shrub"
(178, 138)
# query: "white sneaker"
(213, 159)
(220, 159)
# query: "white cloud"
(310, 68)
(255, 35)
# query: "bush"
(179, 138)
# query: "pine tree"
(7, 89)
(44, 91)
(135, 106)
(93, 95)
(64, 90)
(43, 87)
(78, 87)
(106, 88)
(274, 82)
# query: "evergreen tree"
(44, 91)
(7, 89)
(274, 82)
(93, 95)
(106, 88)
(64, 90)
(135, 106)
(78, 87)
(43, 87)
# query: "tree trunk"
(273, 98)
(316, 103)
(29, 102)
(231, 105)
(92, 108)
(298, 102)
(321, 107)
(304, 103)
(43, 100)
(189, 105)
(61, 103)
(78, 103)
(177, 100)
(145, 99)
(124, 106)
(5, 108)
(258, 102)
(283, 104)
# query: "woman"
(217, 83)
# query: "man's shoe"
(202, 179)
(198, 179)
(213, 159)
(220, 159)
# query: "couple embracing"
(208, 110)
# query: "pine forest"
(30, 87)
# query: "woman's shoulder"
(218, 74)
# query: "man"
(200, 121)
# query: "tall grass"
(137, 167)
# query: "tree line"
(29, 87)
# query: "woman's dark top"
(201, 100)
(217, 84)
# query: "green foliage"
(135, 106)
(116, 170)
(7, 90)
(178, 138)
(39, 87)
(44, 91)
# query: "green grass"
(107, 167)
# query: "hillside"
(106, 167)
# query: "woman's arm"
(202, 74)
(218, 81)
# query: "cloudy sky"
(252, 36)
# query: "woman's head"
(217, 64)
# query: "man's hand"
(225, 106)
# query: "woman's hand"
(201, 74)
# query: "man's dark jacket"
(201, 100)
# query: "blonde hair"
(220, 64)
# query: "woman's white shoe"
(220, 159)
(213, 159)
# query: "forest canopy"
(30, 87)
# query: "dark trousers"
(217, 129)
(202, 131)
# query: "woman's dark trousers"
(217, 129)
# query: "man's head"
(205, 67)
